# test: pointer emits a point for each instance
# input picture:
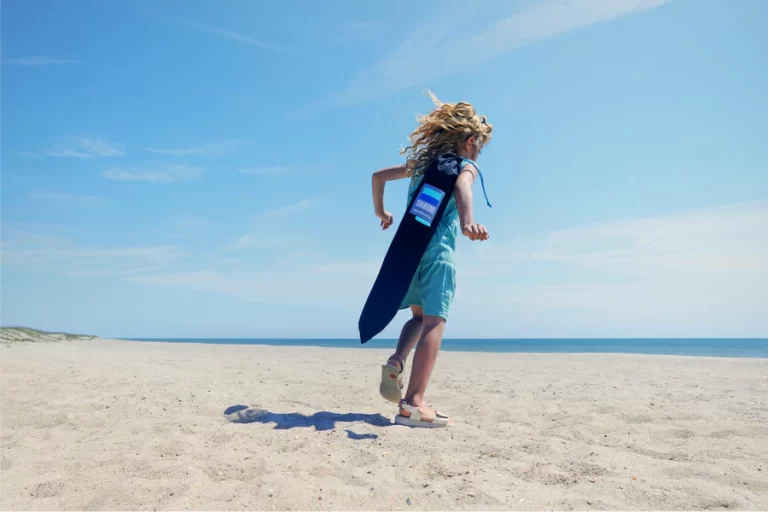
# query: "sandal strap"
(432, 413)
(399, 359)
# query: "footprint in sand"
(47, 489)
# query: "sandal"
(422, 416)
(391, 386)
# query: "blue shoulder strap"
(482, 182)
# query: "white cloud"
(722, 239)
(184, 226)
(39, 61)
(693, 273)
(243, 38)
(362, 30)
(85, 148)
(65, 153)
(359, 268)
(295, 285)
(160, 254)
(279, 170)
(267, 171)
(123, 272)
(251, 241)
(296, 207)
(158, 174)
(65, 197)
(217, 147)
(366, 26)
(437, 49)
(177, 152)
(262, 240)
(99, 148)
(53, 253)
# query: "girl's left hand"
(386, 219)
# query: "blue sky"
(193, 169)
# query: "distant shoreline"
(696, 347)
(699, 347)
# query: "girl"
(452, 128)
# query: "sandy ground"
(126, 425)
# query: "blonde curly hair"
(444, 130)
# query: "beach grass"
(10, 335)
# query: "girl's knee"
(431, 322)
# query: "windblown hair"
(444, 130)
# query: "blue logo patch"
(426, 204)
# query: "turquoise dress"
(434, 283)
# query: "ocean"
(705, 347)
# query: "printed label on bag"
(426, 204)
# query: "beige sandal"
(421, 417)
(391, 386)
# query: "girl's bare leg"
(432, 331)
(409, 336)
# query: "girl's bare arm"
(463, 193)
(378, 180)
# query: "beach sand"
(156, 426)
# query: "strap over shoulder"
(471, 162)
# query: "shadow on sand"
(321, 421)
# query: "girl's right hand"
(386, 219)
(475, 232)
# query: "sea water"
(709, 347)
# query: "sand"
(95, 425)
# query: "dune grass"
(27, 335)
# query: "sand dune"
(24, 334)
(102, 424)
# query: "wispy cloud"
(261, 240)
(160, 254)
(692, 273)
(299, 206)
(39, 61)
(99, 148)
(251, 241)
(30, 154)
(61, 152)
(158, 174)
(727, 239)
(85, 148)
(57, 254)
(244, 38)
(366, 26)
(267, 171)
(66, 198)
(435, 50)
(177, 152)
(184, 226)
(279, 170)
(219, 147)
(288, 285)
(362, 30)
